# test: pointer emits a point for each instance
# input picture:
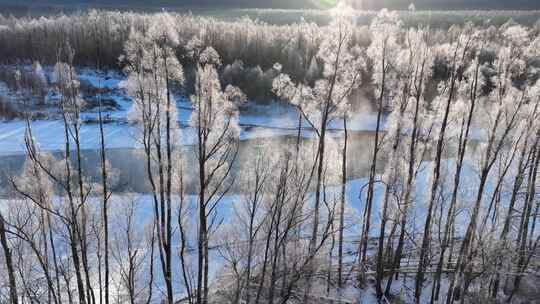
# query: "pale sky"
(361, 4)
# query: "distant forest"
(21, 5)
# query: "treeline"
(248, 48)
(98, 38)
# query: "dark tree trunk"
(13, 297)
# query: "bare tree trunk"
(183, 242)
(168, 189)
(275, 250)
(13, 297)
(104, 180)
(82, 206)
(462, 149)
(384, 219)
(343, 202)
(526, 215)
(105, 206)
(252, 230)
(163, 184)
(43, 205)
(330, 262)
(202, 243)
(436, 178)
(411, 175)
(54, 256)
(322, 145)
(151, 270)
(492, 151)
(74, 235)
(372, 170)
(280, 193)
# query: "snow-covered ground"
(257, 120)
(49, 133)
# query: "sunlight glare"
(343, 8)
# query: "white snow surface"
(257, 120)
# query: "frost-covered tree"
(152, 68)
(503, 107)
(327, 100)
(214, 124)
(455, 53)
(413, 71)
(132, 253)
(67, 85)
(40, 84)
(467, 94)
(382, 52)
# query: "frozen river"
(129, 162)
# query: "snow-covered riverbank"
(257, 120)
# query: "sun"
(342, 9)
(336, 4)
(325, 4)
